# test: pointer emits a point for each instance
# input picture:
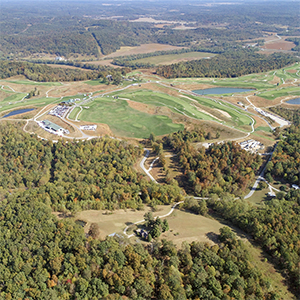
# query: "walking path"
(141, 221)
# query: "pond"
(294, 101)
(17, 112)
(221, 90)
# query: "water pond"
(221, 90)
(17, 112)
(294, 101)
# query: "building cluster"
(59, 111)
(251, 145)
(142, 233)
(52, 127)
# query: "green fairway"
(74, 113)
(126, 121)
(189, 105)
(263, 128)
(29, 102)
(280, 92)
(180, 105)
(30, 82)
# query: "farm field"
(126, 121)
(144, 48)
(174, 58)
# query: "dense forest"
(44, 73)
(230, 64)
(288, 113)
(46, 258)
(219, 169)
(91, 29)
(96, 174)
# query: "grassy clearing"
(126, 121)
(173, 58)
(116, 221)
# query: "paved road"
(260, 177)
(143, 166)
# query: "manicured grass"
(171, 58)
(29, 102)
(30, 82)
(280, 92)
(94, 82)
(181, 105)
(74, 113)
(13, 97)
(238, 116)
(126, 121)
(263, 128)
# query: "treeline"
(296, 41)
(229, 64)
(96, 174)
(273, 226)
(285, 163)
(45, 258)
(44, 73)
(62, 44)
(221, 168)
(290, 114)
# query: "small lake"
(221, 90)
(17, 112)
(294, 101)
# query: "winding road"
(141, 221)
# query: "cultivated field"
(174, 58)
(144, 48)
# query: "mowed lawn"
(180, 105)
(173, 58)
(126, 121)
(280, 92)
(37, 102)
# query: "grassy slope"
(126, 121)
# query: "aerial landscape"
(149, 149)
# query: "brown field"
(279, 45)
(144, 48)
(185, 226)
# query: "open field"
(126, 121)
(116, 221)
(144, 48)
(174, 58)
(196, 228)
